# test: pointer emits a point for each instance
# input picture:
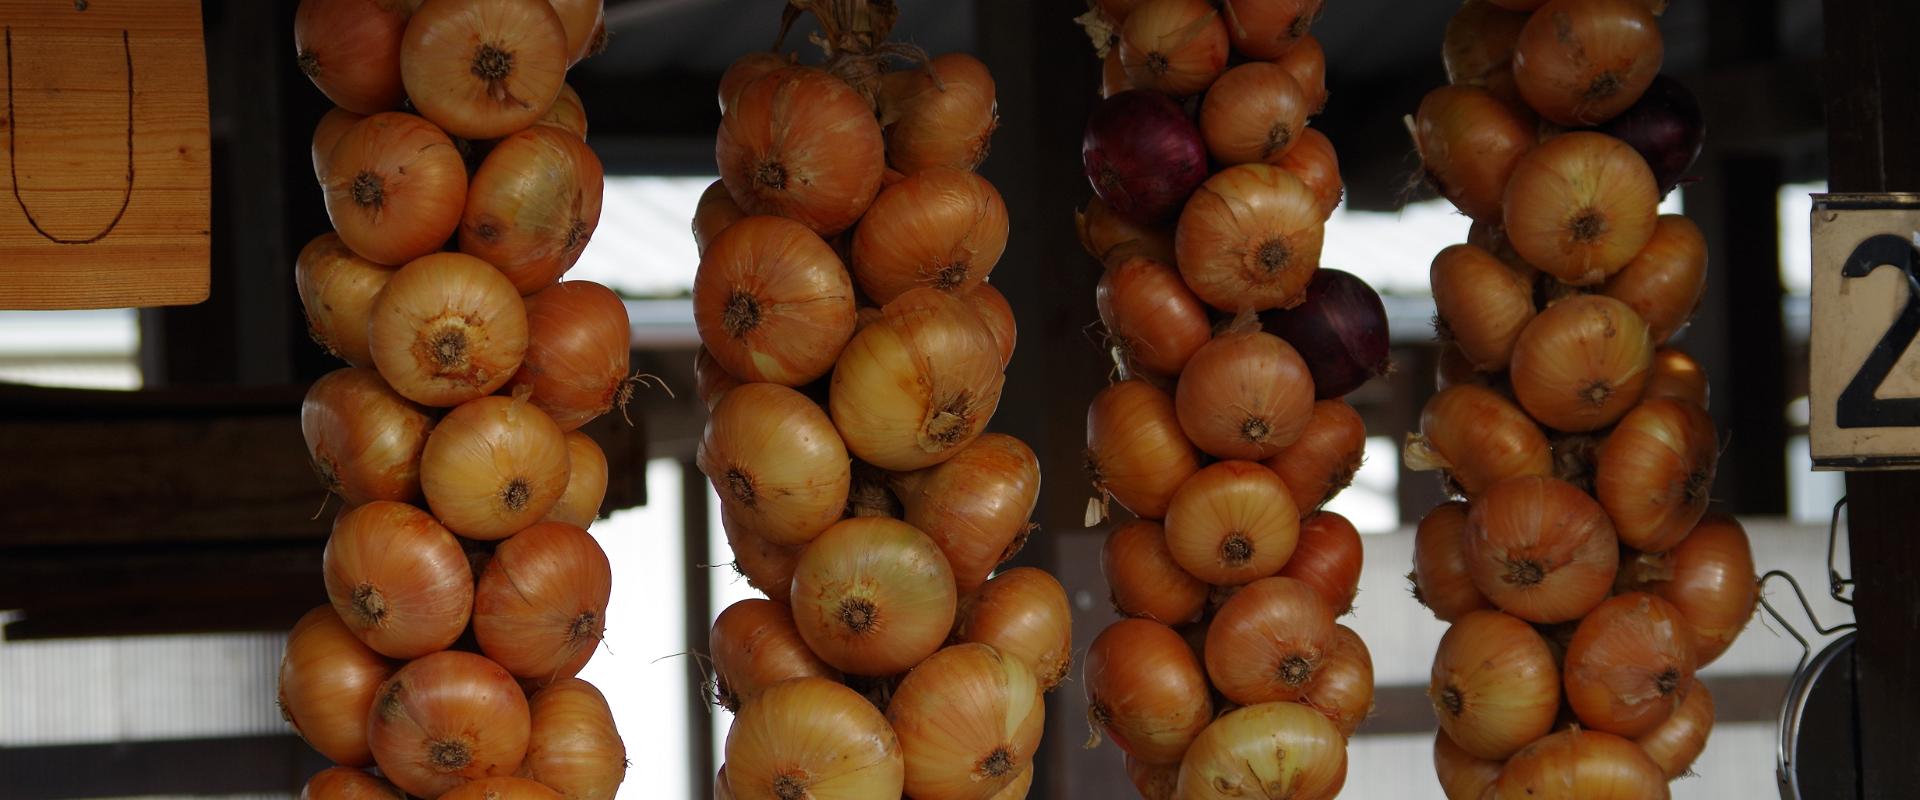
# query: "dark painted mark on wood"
(13, 160)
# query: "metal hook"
(1806, 648)
(1837, 587)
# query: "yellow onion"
(802, 144)
(1023, 614)
(914, 387)
(447, 329)
(1654, 472)
(578, 343)
(446, 719)
(1113, 74)
(766, 566)
(1582, 363)
(394, 187)
(1231, 523)
(1328, 558)
(1152, 781)
(351, 50)
(1709, 576)
(1249, 238)
(483, 69)
(813, 738)
(583, 21)
(1253, 113)
(1244, 395)
(1342, 687)
(1110, 237)
(873, 596)
(710, 379)
(1495, 686)
(975, 506)
(754, 645)
(502, 788)
(1582, 62)
(1176, 47)
(540, 607)
(494, 466)
(1482, 304)
(715, 212)
(1676, 376)
(1268, 641)
(1440, 578)
(1479, 437)
(1665, 281)
(1469, 142)
(1629, 664)
(1306, 61)
(327, 684)
(533, 205)
(940, 227)
(1314, 162)
(397, 579)
(1580, 206)
(347, 783)
(1579, 764)
(1155, 322)
(1322, 462)
(337, 289)
(364, 439)
(744, 70)
(1147, 690)
(1541, 549)
(1478, 51)
(1136, 453)
(942, 115)
(568, 113)
(776, 462)
(772, 301)
(1266, 750)
(1679, 740)
(574, 747)
(1462, 775)
(997, 315)
(579, 505)
(1018, 789)
(1143, 578)
(1270, 28)
(969, 719)
(326, 133)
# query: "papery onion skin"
(397, 579)
(1541, 549)
(493, 466)
(502, 788)
(446, 719)
(578, 343)
(348, 783)
(1231, 523)
(1146, 690)
(1494, 686)
(1463, 776)
(1113, 74)
(1480, 438)
(1340, 329)
(1342, 688)
(394, 188)
(1665, 281)
(1153, 318)
(327, 683)
(776, 462)
(1143, 155)
(773, 302)
(1580, 206)
(1582, 363)
(754, 644)
(1579, 764)
(579, 18)
(533, 206)
(540, 607)
(1655, 471)
(1676, 376)
(940, 227)
(1322, 462)
(765, 566)
(580, 504)
(943, 115)
(364, 439)
(1328, 558)
(1153, 782)
(1112, 238)
(914, 388)
(326, 133)
(1249, 239)
(969, 719)
(1440, 578)
(1252, 113)
(975, 506)
(1582, 62)
(811, 737)
(1469, 142)
(483, 69)
(1478, 50)
(1177, 47)
(715, 212)
(1273, 749)
(351, 51)
(1306, 61)
(574, 747)
(1244, 395)
(800, 143)
(1136, 452)
(744, 70)
(997, 315)
(1710, 577)
(1314, 161)
(337, 289)
(568, 113)
(1270, 29)
(448, 328)
(1143, 578)
(873, 596)
(1683, 736)
(1267, 642)
(1482, 304)
(1629, 664)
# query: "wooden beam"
(278, 764)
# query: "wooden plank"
(277, 764)
(145, 589)
(106, 195)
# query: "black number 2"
(1857, 407)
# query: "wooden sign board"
(1864, 391)
(105, 191)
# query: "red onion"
(1143, 155)
(1666, 127)
(1340, 329)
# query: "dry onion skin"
(1683, 736)
(573, 746)
(1479, 438)
(1482, 304)
(1175, 47)
(1440, 578)
(940, 227)
(394, 188)
(350, 49)
(997, 314)
(1156, 322)
(364, 439)
(1306, 61)
(347, 783)
(715, 212)
(337, 289)
(765, 566)
(1463, 776)
(1478, 51)
(1146, 690)
(747, 69)
(1143, 578)
(1112, 238)
(1579, 764)
(327, 684)
(800, 143)
(1342, 688)
(1666, 280)
(1469, 142)
(1581, 364)
(975, 506)
(540, 607)
(446, 719)
(1023, 614)
(1266, 750)
(1328, 558)
(1629, 664)
(578, 342)
(1253, 114)
(1322, 462)
(1676, 376)
(1541, 549)
(1152, 781)
(942, 115)
(568, 113)
(1580, 206)
(1268, 29)
(448, 328)
(873, 596)
(579, 505)
(1249, 238)
(1495, 685)
(1710, 577)
(493, 467)
(1654, 473)
(502, 788)
(533, 205)
(969, 719)
(1582, 62)
(776, 462)
(754, 644)
(813, 738)
(1231, 523)
(1314, 162)
(326, 133)
(1136, 453)
(1267, 642)
(773, 302)
(483, 69)
(397, 579)
(914, 387)
(1244, 395)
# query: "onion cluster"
(853, 354)
(1227, 429)
(464, 590)
(1579, 568)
